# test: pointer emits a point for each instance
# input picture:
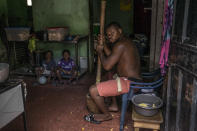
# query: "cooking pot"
(4, 72)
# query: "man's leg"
(99, 100)
(113, 106)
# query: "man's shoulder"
(123, 42)
(127, 41)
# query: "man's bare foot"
(102, 117)
(113, 108)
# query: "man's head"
(66, 54)
(113, 32)
(48, 54)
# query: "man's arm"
(107, 50)
(113, 58)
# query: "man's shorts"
(110, 87)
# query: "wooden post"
(178, 112)
(158, 32)
(102, 22)
(153, 34)
(193, 113)
(168, 99)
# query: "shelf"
(67, 41)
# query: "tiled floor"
(52, 108)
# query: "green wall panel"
(57, 13)
(3, 7)
(3, 16)
(17, 12)
(113, 13)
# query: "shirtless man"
(125, 57)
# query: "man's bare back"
(129, 61)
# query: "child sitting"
(66, 67)
(48, 66)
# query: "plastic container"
(17, 33)
(83, 62)
(57, 33)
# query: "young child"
(48, 66)
(66, 66)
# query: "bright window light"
(29, 2)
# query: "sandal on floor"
(90, 118)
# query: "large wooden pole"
(102, 24)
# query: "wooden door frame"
(156, 32)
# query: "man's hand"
(99, 48)
(100, 43)
(101, 39)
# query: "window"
(29, 2)
(179, 16)
(192, 20)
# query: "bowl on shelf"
(4, 72)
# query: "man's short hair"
(65, 51)
(114, 24)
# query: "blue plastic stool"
(128, 96)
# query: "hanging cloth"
(32, 44)
(166, 35)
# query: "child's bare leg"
(38, 72)
(49, 78)
(58, 72)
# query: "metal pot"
(4, 72)
(152, 104)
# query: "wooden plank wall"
(181, 109)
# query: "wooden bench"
(152, 122)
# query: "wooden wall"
(181, 96)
